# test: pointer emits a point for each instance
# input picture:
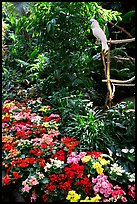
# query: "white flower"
(117, 169)
(131, 151)
(131, 176)
(118, 154)
(124, 150)
(57, 163)
(48, 165)
(46, 169)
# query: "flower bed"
(45, 166)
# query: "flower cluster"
(46, 166)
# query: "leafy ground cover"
(47, 166)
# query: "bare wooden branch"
(124, 84)
(122, 58)
(109, 95)
(121, 41)
(120, 28)
(103, 60)
(120, 81)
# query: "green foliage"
(48, 43)
(120, 123)
(94, 129)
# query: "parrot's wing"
(99, 34)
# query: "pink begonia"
(106, 195)
(13, 108)
(94, 180)
(101, 190)
(34, 196)
(82, 154)
(36, 139)
(24, 182)
(96, 189)
(47, 138)
(3, 125)
(54, 132)
(98, 184)
(104, 184)
(75, 158)
(123, 199)
(41, 176)
(26, 188)
(33, 181)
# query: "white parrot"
(99, 34)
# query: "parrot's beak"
(90, 22)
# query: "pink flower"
(98, 184)
(41, 176)
(94, 180)
(123, 199)
(101, 190)
(24, 183)
(104, 184)
(26, 188)
(33, 181)
(34, 196)
(82, 154)
(96, 189)
(106, 195)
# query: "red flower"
(85, 184)
(29, 160)
(42, 163)
(70, 143)
(44, 197)
(47, 119)
(65, 186)
(23, 165)
(7, 146)
(59, 155)
(6, 118)
(50, 187)
(95, 154)
(74, 171)
(43, 146)
(36, 152)
(117, 193)
(21, 134)
(56, 117)
(16, 175)
(6, 180)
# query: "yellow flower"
(7, 105)
(96, 198)
(98, 167)
(73, 196)
(86, 158)
(103, 161)
(88, 175)
(46, 124)
(44, 109)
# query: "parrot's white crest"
(99, 34)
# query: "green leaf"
(22, 62)
(34, 53)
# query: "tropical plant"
(55, 44)
(45, 165)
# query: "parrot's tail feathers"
(105, 46)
